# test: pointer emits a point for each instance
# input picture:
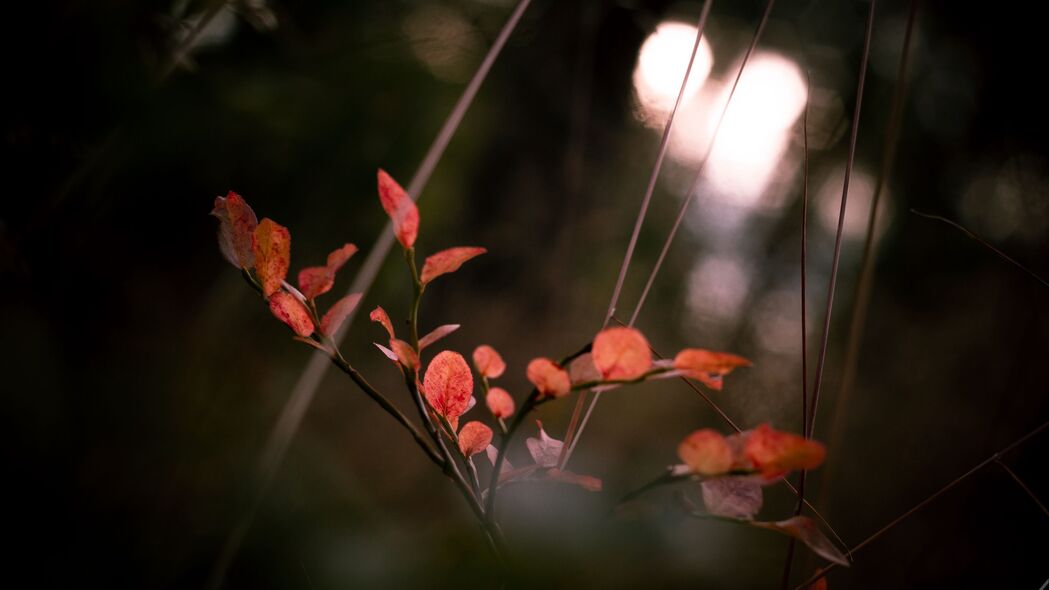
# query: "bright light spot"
(717, 288)
(661, 67)
(857, 210)
(749, 150)
(443, 41)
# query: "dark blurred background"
(142, 377)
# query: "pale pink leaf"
(587, 482)
(733, 497)
(493, 454)
(447, 261)
(437, 333)
(545, 450)
(805, 530)
(338, 313)
(582, 369)
(386, 351)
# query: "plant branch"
(1022, 485)
(493, 480)
(993, 458)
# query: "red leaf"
(272, 247)
(405, 353)
(587, 482)
(237, 223)
(448, 384)
(775, 453)
(733, 497)
(706, 452)
(437, 333)
(499, 402)
(379, 315)
(318, 280)
(706, 366)
(401, 209)
(621, 353)
(447, 261)
(488, 362)
(548, 377)
(545, 450)
(337, 313)
(474, 438)
(315, 281)
(291, 311)
(805, 530)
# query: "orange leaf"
(401, 209)
(272, 247)
(805, 530)
(499, 402)
(474, 438)
(338, 312)
(621, 353)
(237, 223)
(379, 315)
(488, 362)
(437, 333)
(706, 366)
(449, 384)
(291, 311)
(775, 453)
(706, 452)
(447, 261)
(405, 353)
(548, 377)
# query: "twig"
(854, 134)
(1022, 485)
(923, 503)
(681, 210)
(985, 243)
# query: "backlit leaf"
(488, 362)
(386, 351)
(379, 315)
(733, 497)
(775, 453)
(338, 313)
(449, 384)
(437, 333)
(621, 353)
(474, 438)
(805, 530)
(237, 223)
(545, 450)
(447, 261)
(706, 452)
(272, 247)
(405, 353)
(499, 402)
(401, 209)
(708, 367)
(317, 280)
(340, 256)
(548, 377)
(288, 309)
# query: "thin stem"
(832, 284)
(187, 42)
(785, 580)
(1023, 486)
(667, 478)
(984, 242)
(865, 283)
(493, 480)
(926, 501)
